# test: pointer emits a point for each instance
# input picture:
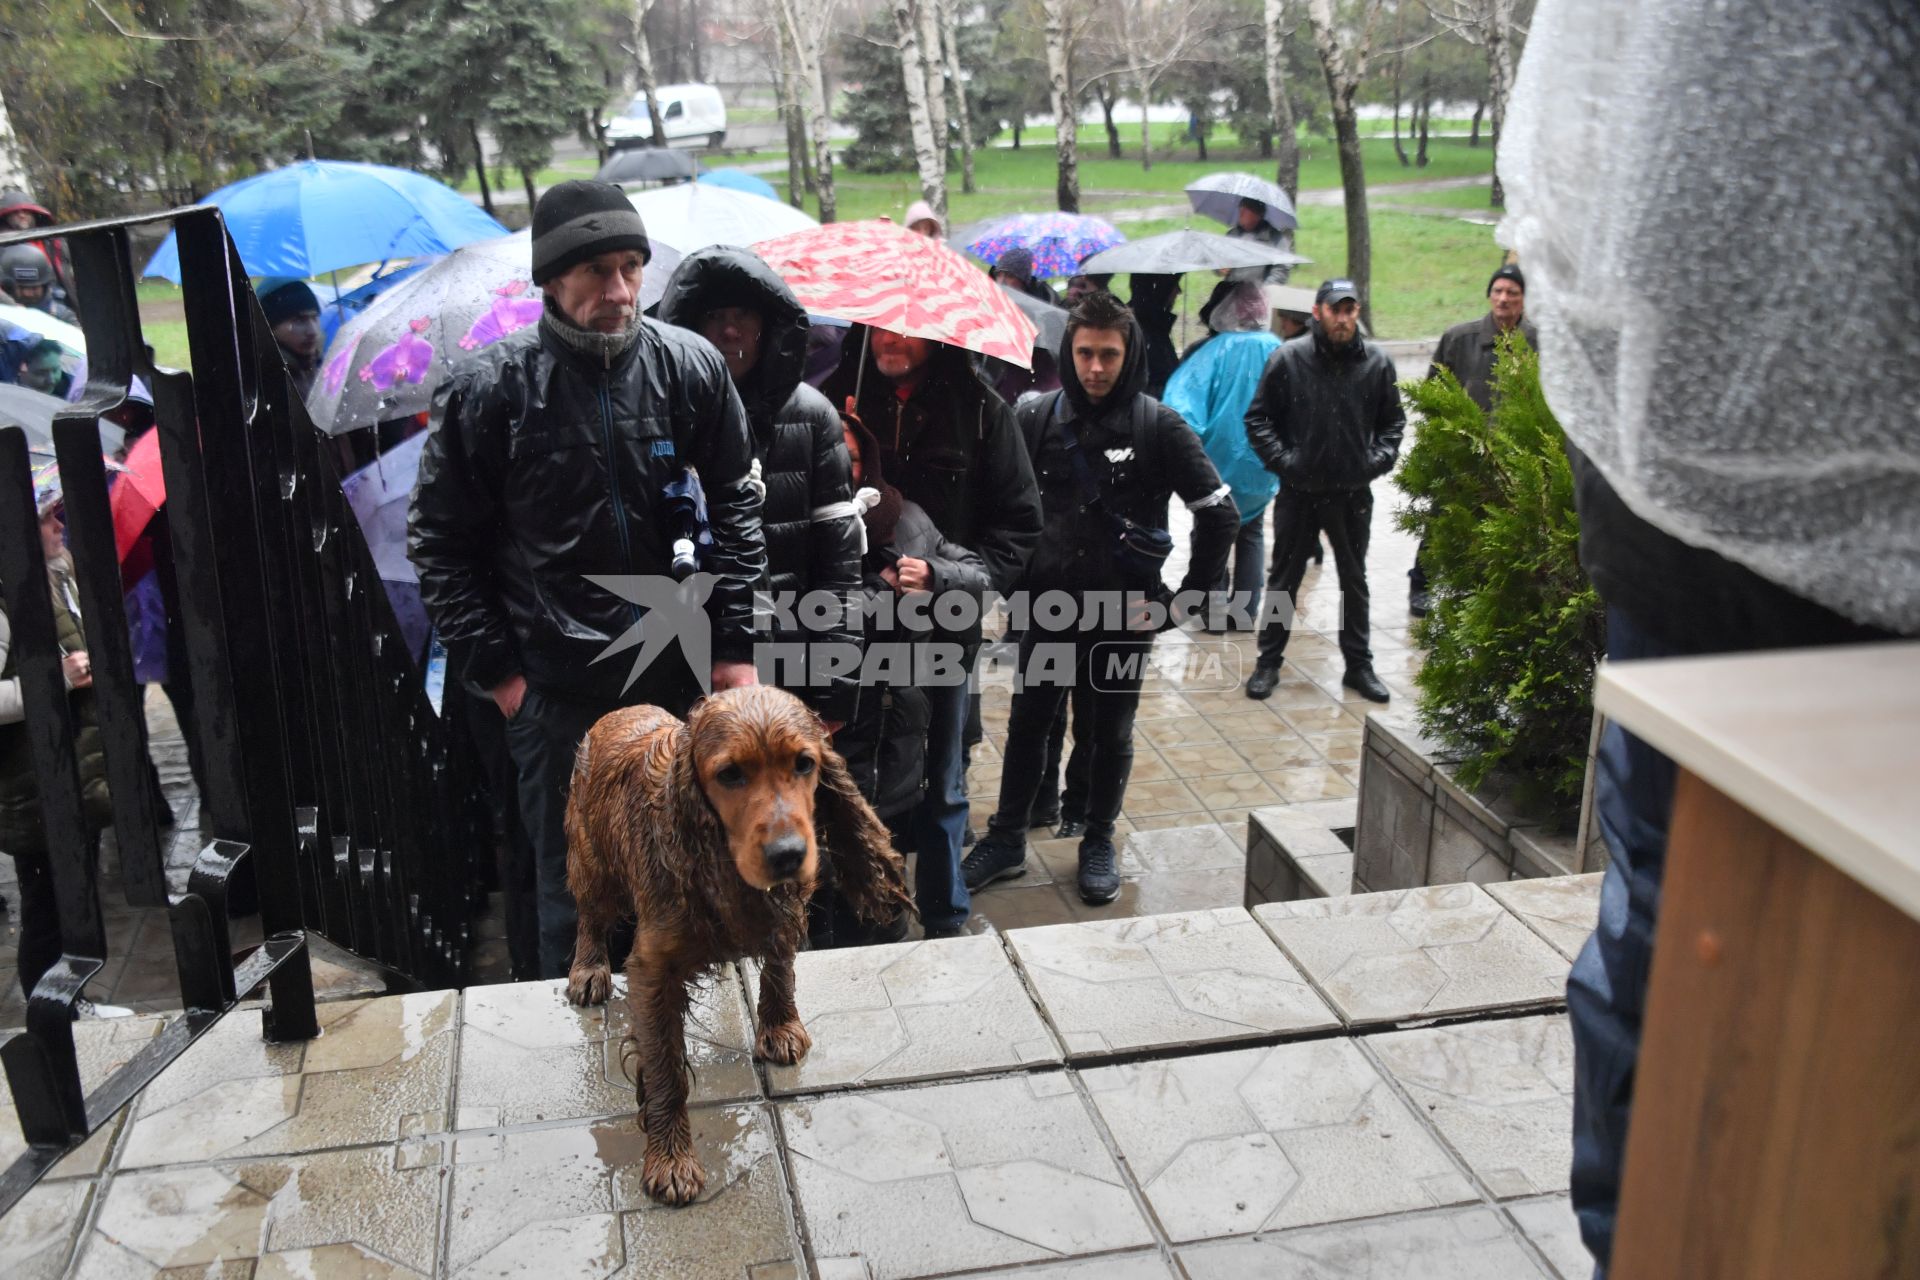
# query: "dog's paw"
(589, 984)
(673, 1179)
(783, 1044)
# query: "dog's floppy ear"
(692, 820)
(866, 870)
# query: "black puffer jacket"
(544, 467)
(1327, 418)
(800, 446)
(1143, 453)
(952, 447)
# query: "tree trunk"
(480, 167)
(1017, 122)
(934, 67)
(1344, 74)
(1425, 108)
(1398, 149)
(1146, 128)
(927, 155)
(1285, 136)
(1266, 143)
(526, 180)
(1200, 138)
(1499, 84)
(806, 28)
(784, 85)
(696, 62)
(1104, 92)
(950, 45)
(643, 64)
(1066, 140)
(1479, 109)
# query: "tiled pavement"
(1229, 1120)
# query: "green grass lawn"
(1464, 198)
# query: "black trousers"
(38, 916)
(1072, 800)
(1346, 517)
(1111, 666)
(514, 849)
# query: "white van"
(694, 115)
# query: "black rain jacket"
(1327, 418)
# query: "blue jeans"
(940, 819)
(1607, 990)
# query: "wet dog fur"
(711, 833)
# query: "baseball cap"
(1338, 289)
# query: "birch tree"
(1150, 38)
(934, 66)
(643, 64)
(1492, 25)
(929, 157)
(1343, 56)
(806, 23)
(1286, 141)
(1066, 144)
(950, 43)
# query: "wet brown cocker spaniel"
(711, 833)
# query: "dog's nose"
(784, 856)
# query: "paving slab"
(38, 1234)
(1263, 1139)
(1561, 909)
(957, 1177)
(380, 1070)
(1500, 1092)
(1554, 1230)
(526, 1055)
(567, 1201)
(328, 1216)
(910, 1011)
(102, 1046)
(1196, 977)
(1416, 953)
(1126, 1266)
(1464, 1244)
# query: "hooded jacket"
(1211, 390)
(798, 442)
(544, 466)
(1327, 418)
(1143, 453)
(953, 448)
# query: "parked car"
(694, 115)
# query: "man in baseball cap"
(545, 475)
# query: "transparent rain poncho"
(1717, 205)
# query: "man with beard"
(549, 464)
(1327, 420)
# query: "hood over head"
(1133, 375)
(725, 275)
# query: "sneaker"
(1099, 881)
(85, 1009)
(993, 859)
(1363, 682)
(1070, 827)
(1260, 684)
(1418, 602)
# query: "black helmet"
(22, 264)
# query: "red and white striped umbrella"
(880, 274)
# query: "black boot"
(1363, 682)
(1261, 683)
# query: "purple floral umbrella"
(1059, 242)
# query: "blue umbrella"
(739, 180)
(321, 215)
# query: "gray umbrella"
(649, 164)
(1218, 196)
(1049, 321)
(33, 411)
(1179, 251)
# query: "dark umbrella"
(1049, 321)
(1218, 196)
(32, 411)
(1181, 251)
(649, 164)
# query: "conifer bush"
(1515, 630)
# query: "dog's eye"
(730, 775)
(803, 765)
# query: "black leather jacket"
(798, 440)
(1327, 418)
(543, 467)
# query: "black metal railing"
(332, 791)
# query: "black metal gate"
(329, 777)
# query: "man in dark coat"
(1104, 452)
(548, 464)
(812, 529)
(952, 447)
(1467, 351)
(293, 313)
(1327, 420)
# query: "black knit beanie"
(282, 298)
(578, 220)
(1508, 272)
